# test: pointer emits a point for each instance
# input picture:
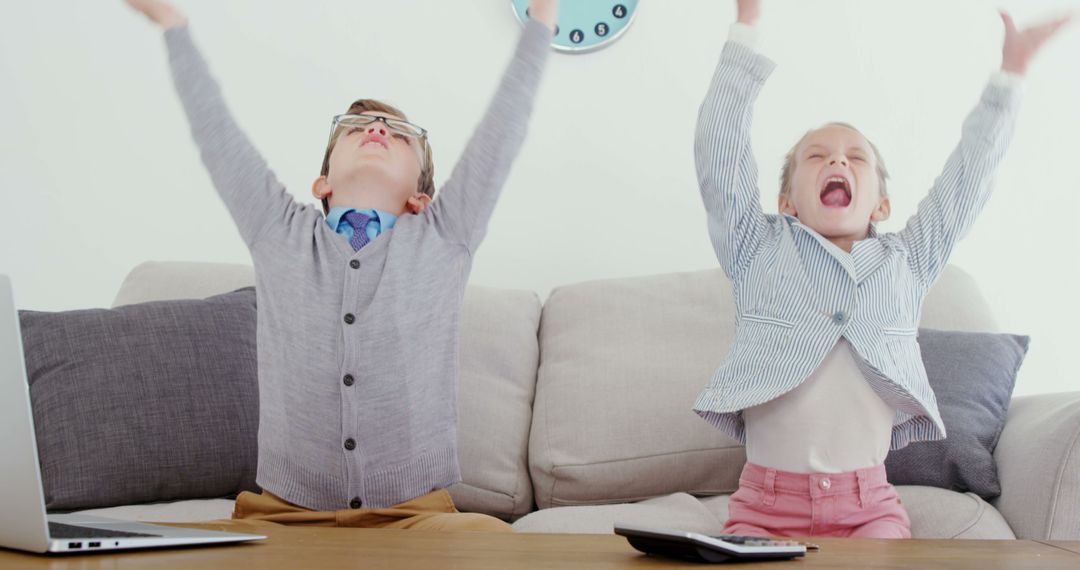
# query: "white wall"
(97, 171)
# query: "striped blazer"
(797, 294)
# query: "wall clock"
(586, 25)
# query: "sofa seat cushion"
(935, 513)
(678, 510)
(191, 511)
(940, 513)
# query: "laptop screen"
(23, 524)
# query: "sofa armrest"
(1038, 462)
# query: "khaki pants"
(433, 511)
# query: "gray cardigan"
(358, 351)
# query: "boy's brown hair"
(789, 161)
(426, 182)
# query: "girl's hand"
(748, 11)
(1022, 45)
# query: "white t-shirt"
(833, 422)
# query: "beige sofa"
(575, 413)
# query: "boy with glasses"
(358, 310)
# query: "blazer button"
(350, 444)
(349, 318)
(348, 379)
(356, 503)
(354, 264)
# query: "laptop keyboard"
(60, 530)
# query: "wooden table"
(311, 547)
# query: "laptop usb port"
(74, 545)
(93, 544)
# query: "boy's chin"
(371, 198)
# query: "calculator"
(705, 548)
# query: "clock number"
(577, 36)
(601, 29)
(619, 11)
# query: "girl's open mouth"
(836, 193)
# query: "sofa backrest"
(621, 363)
(599, 410)
(499, 358)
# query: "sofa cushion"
(146, 402)
(622, 361)
(160, 280)
(972, 375)
(498, 361)
(497, 382)
(678, 510)
(1038, 461)
(940, 513)
(189, 511)
(934, 513)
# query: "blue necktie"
(359, 224)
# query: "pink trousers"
(858, 504)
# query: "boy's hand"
(545, 11)
(748, 11)
(1022, 45)
(161, 13)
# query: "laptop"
(24, 524)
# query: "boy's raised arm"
(726, 170)
(964, 186)
(251, 192)
(465, 202)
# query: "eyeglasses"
(396, 126)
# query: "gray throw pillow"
(973, 375)
(149, 402)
